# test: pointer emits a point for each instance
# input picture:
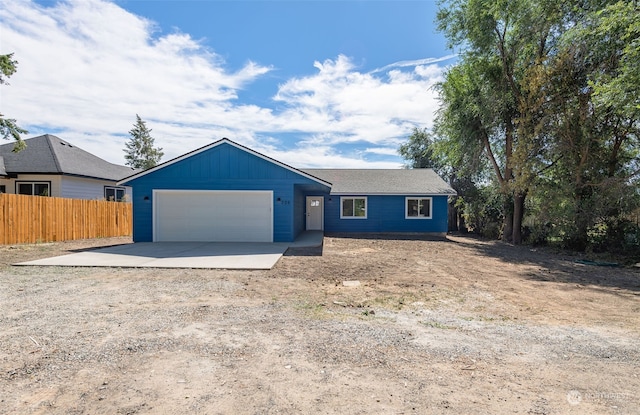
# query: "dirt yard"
(372, 326)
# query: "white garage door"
(212, 216)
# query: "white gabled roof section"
(213, 145)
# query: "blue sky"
(310, 83)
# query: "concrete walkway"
(211, 255)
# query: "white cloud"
(361, 106)
(417, 62)
(87, 67)
(387, 151)
(322, 156)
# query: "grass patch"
(395, 302)
(437, 325)
(311, 308)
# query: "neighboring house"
(50, 166)
(228, 192)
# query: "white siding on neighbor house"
(54, 180)
(66, 186)
(78, 188)
(82, 188)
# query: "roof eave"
(392, 194)
(84, 176)
(40, 173)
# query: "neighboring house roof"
(48, 154)
(383, 181)
(215, 144)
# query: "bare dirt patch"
(435, 326)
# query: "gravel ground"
(455, 326)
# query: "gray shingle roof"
(383, 181)
(48, 154)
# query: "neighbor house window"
(114, 194)
(3, 188)
(418, 208)
(33, 188)
(353, 207)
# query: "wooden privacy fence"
(31, 219)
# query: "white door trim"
(314, 215)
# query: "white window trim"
(33, 183)
(116, 188)
(366, 207)
(406, 207)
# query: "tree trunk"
(453, 216)
(507, 229)
(518, 216)
(579, 239)
(507, 224)
(462, 225)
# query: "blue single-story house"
(230, 193)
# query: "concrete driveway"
(212, 255)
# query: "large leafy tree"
(480, 96)
(8, 126)
(487, 101)
(547, 93)
(590, 138)
(140, 152)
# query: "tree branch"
(492, 158)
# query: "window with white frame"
(114, 194)
(417, 208)
(33, 188)
(353, 208)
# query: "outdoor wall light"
(146, 198)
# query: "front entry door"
(315, 213)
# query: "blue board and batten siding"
(386, 214)
(225, 167)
